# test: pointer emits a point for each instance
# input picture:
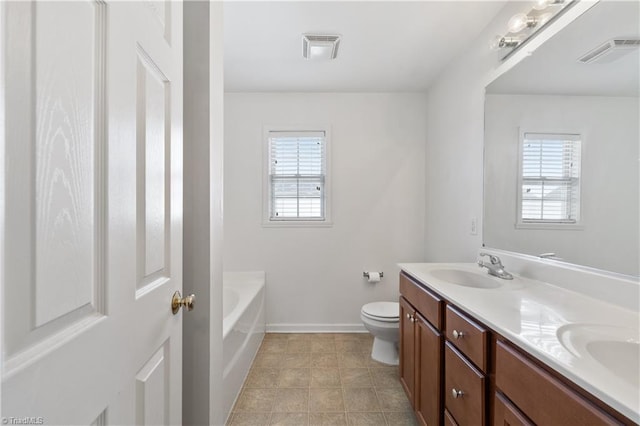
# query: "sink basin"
(465, 278)
(616, 349)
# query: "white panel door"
(91, 198)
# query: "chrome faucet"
(494, 267)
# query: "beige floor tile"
(276, 336)
(256, 400)
(299, 336)
(360, 399)
(321, 379)
(295, 360)
(366, 419)
(262, 378)
(249, 419)
(273, 346)
(355, 377)
(349, 336)
(372, 363)
(393, 399)
(365, 345)
(294, 378)
(352, 359)
(299, 345)
(349, 345)
(268, 360)
(327, 419)
(291, 400)
(325, 378)
(404, 418)
(386, 377)
(326, 400)
(323, 345)
(293, 419)
(324, 360)
(322, 336)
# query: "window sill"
(551, 226)
(297, 224)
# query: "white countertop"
(532, 314)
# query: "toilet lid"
(387, 310)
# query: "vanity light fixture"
(543, 4)
(520, 21)
(499, 42)
(320, 47)
(522, 26)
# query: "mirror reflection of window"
(550, 178)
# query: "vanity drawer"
(463, 379)
(507, 414)
(428, 304)
(469, 337)
(540, 396)
(448, 419)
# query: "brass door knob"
(177, 301)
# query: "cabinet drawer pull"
(456, 393)
(457, 334)
(409, 316)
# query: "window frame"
(266, 181)
(550, 225)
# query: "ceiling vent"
(611, 50)
(317, 46)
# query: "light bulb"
(541, 4)
(543, 19)
(519, 22)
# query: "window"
(297, 177)
(549, 189)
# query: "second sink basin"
(465, 278)
(617, 349)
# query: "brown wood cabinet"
(421, 349)
(507, 414)
(457, 371)
(428, 401)
(464, 389)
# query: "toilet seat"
(382, 311)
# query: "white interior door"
(92, 207)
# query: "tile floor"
(320, 379)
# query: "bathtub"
(243, 329)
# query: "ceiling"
(554, 69)
(386, 45)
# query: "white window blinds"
(297, 168)
(550, 176)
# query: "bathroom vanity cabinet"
(457, 371)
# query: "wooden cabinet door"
(407, 349)
(428, 394)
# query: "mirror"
(561, 166)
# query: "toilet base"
(385, 351)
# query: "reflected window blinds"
(550, 178)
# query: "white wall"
(455, 126)
(609, 211)
(314, 275)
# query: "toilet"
(382, 319)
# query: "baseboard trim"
(316, 328)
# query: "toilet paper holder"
(366, 274)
